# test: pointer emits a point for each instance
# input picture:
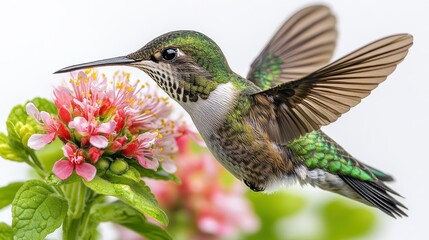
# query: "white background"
(388, 130)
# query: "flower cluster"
(100, 118)
(214, 208)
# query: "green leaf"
(6, 232)
(137, 195)
(7, 152)
(346, 220)
(271, 209)
(20, 126)
(37, 211)
(53, 180)
(130, 176)
(277, 205)
(134, 181)
(7, 193)
(127, 216)
(142, 189)
(158, 175)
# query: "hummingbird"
(265, 128)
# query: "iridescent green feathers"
(202, 52)
(267, 72)
(317, 151)
(303, 44)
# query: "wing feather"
(306, 104)
(303, 44)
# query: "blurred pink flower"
(217, 210)
(184, 135)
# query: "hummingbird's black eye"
(169, 54)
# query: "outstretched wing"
(303, 44)
(292, 109)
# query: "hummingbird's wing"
(292, 109)
(303, 44)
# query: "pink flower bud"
(64, 114)
(118, 144)
(94, 154)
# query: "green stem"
(76, 193)
(92, 199)
(60, 191)
(36, 160)
(39, 172)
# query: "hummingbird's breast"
(245, 150)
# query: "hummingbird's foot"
(253, 186)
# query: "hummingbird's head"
(186, 64)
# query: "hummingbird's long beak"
(99, 63)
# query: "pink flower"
(75, 160)
(92, 130)
(111, 118)
(184, 134)
(141, 149)
(235, 214)
(53, 127)
(216, 210)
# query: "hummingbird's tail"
(379, 174)
(377, 195)
(331, 168)
(372, 193)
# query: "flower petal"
(38, 141)
(79, 123)
(98, 141)
(209, 224)
(108, 127)
(131, 149)
(63, 169)
(46, 117)
(64, 114)
(146, 163)
(32, 110)
(147, 137)
(68, 150)
(197, 139)
(62, 96)
(169, 166)
(86, 170)
(63, 132)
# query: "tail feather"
(379, 174)
(377, 194)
